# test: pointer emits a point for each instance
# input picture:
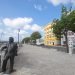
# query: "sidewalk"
(33, 60)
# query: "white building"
(70, 36)
(62, 40)
(39, 41)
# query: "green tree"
(71, 21)
(35, 35)
(57, 28)
(65, 23)
(26, 40)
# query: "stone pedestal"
(70, 50)
(2, 57)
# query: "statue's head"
(11, 39)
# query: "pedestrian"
(10, 53)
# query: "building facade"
(70, 38)
(49, 36)
(39, 42)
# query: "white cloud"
(27, 27)
(38, 7)
(1, 30)
(0, 23)
(58, 2)
(17, 21)
(73, 2)
(35, 27)
(11, 27)
(8, 32)
(25, 23)
(23, 32)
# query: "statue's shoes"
(2, 71)
(9, 72)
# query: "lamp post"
(18, 35)
(1, 36)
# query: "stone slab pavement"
(33, 60)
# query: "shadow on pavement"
(58, 48)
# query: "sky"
(28, 16)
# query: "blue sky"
(28, 15)
(42, 14)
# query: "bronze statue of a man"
(10, 53)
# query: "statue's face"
(11, 40)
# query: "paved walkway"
(34, 60)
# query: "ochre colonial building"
(49, 36)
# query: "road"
(33, 60)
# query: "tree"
(57, 28)
(60, 24)
(35, 35)
(26, 40)
(71, 22)
(65, 23)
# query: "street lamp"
(18, 35)
(1, 36)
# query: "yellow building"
(49, 37)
